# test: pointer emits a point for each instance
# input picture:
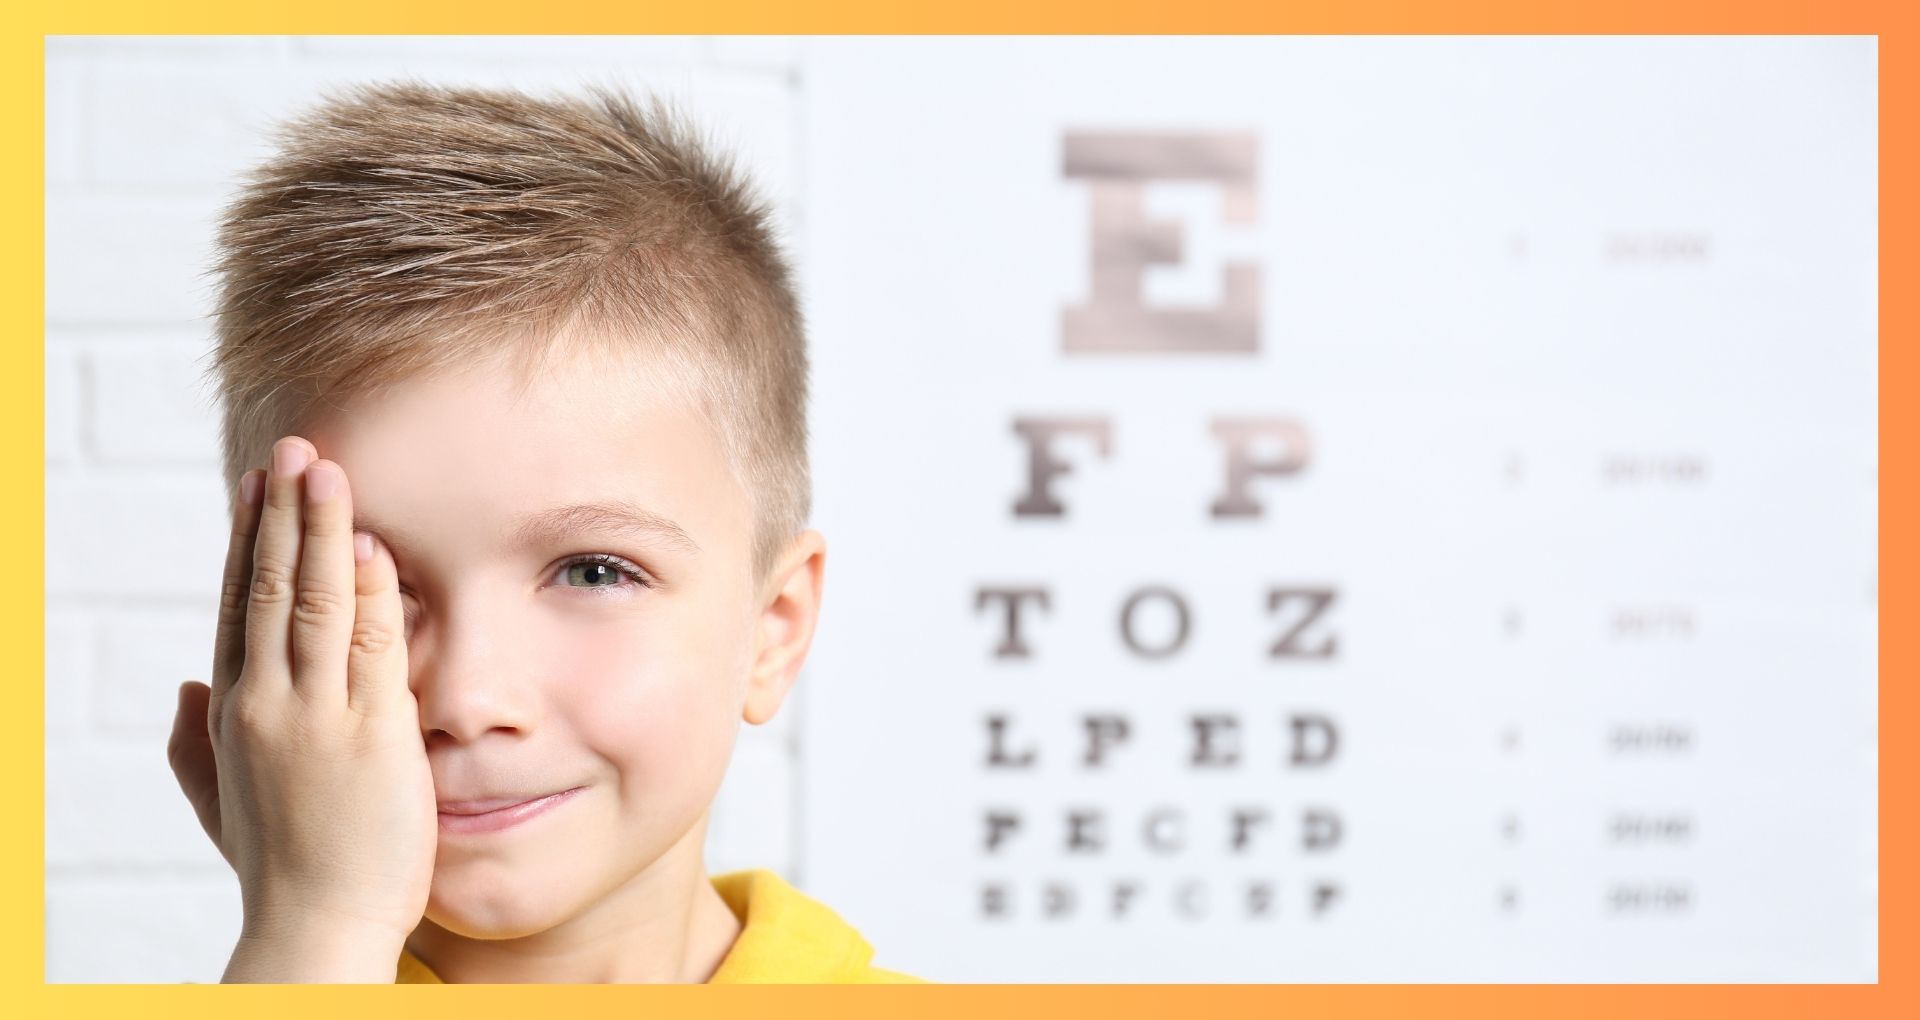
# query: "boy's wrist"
(299, 951)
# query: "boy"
(469, 709)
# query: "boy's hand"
(304, 760)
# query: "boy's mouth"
(484, 805)
(496, 813)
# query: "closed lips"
(481, 807)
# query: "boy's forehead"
(566, 391)
(492, 444)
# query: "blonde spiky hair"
(402, 227)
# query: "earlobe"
(785, 626)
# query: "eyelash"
(624, 568)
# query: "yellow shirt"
(786, 937)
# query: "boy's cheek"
(620, 683)
(639, 694)
(664, 733)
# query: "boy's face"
(537, 669)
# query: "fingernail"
(322, 482)
(250, 485)
(288, 458)
(362, 547)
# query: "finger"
(230, 637)
(276, 562)
(190, 752)
(324, 600)
(377, 656)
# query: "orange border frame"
(24, 886)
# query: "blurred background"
(1299, 509)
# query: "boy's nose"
(465, 689)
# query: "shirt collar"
(786, 937)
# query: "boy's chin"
(486, 911)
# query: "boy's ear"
(784, 630)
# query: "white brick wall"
(144, 137)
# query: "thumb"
(190, 752)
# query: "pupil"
(597, 569)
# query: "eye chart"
(1345, 509)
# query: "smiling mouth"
(481, 807)
(467, 816)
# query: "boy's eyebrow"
(559, 521)
(546, 526)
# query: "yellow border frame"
(23, 905)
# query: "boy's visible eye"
(601, 570)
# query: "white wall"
(1579, 334)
